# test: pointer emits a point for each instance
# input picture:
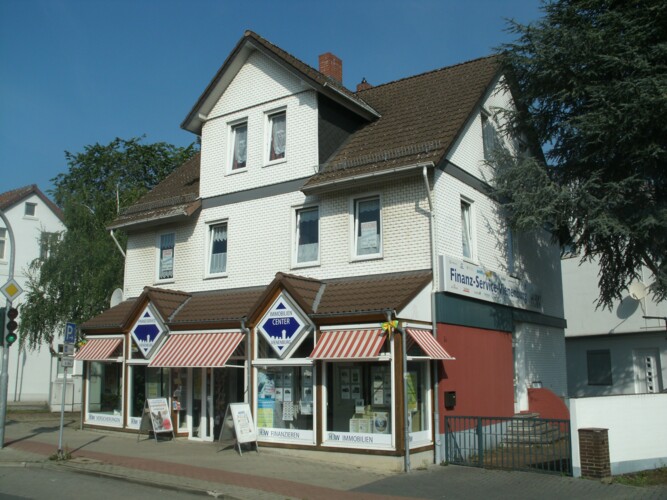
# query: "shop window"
(417, 392)
(217, 248)
(307, 235)
(30, 209)
(147, 383)
(367, 232)
(166, 256)
(467, 230)
(277, 136)
(285, 400)
(3, 242)
(180, 400)
(105, 388)
(359, 398)
(599, 367)
(239, 150)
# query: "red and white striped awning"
(425, 340)
(197, 350)
(98, 349)
(349, 344)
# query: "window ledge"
(237, 171)
(364, 258)
(164, 282)
(216, 276)
(275, 162)
(302, 265)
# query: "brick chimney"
(363, 85)
(331, 66)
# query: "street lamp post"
(4, 375)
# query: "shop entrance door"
(201, 426)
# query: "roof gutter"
(333, 184)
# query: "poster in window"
(355, 393)
(344, 392)
(307, 377)
(265, 413)
(279, 393)
(344, 376)
(412, 391)
(355, 376)
(378, 388)
(287, 394)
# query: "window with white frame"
(467, 230)
(307, 235)
(3, 242)
(217, 248)
(30, 209)
(46, 243)
(277, 136)
(166, 256)
(367, 232)
(239, 143)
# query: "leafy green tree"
(84, 266)
(590, 83)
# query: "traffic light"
(12, 325)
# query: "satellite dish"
(637, 290)
(116, 297)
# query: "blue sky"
(80, 72)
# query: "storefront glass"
(179, 393)
(285, 403)
(359, 403)
(418, 383)
(146, 383)
(105, 394)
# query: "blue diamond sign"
(146, 331)
(283, 325)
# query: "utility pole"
(4, 375)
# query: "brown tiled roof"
(348, 297)
(421, 117)
(216, 308)
(117, 318)
(10, 198)
(176, 196)
(111, 320)
(367, 294)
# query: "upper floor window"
(30, 209)
(512, 252)
(46, 244)
(490, 140)
(467, 230)
(166, 256)
(277, 136)
(217, 248)
(307, 235)
(3, 242)
(239, 141)
(367, 233)
(599, 367)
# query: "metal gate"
(524, 442)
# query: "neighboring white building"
(35, 376)
(331, 211)
(617, 351)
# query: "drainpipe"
(113, 237)
(406, 422)
(434, 321)
(246, 330)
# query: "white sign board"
(244, 425)
(67, 362)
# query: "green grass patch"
(653, 477)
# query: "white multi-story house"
(336, 260)
(35, 375)
(615, 351)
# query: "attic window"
(30, 209)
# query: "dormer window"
(277, 136)
(239, 141)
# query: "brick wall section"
(594, 453)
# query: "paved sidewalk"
(270, 474)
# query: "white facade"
(615, 351)
(33, 374)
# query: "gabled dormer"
(268, 118)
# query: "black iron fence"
(518, 443)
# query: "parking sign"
(70, 333)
